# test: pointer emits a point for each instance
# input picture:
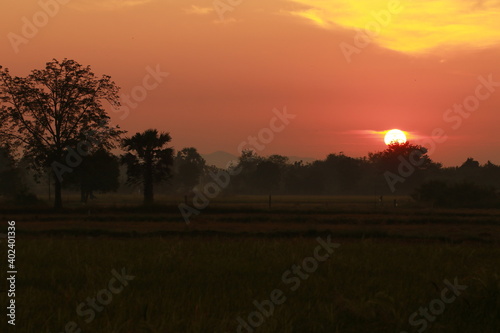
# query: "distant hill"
(221, 158)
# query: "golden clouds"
(419, 27)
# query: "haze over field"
(229, 66)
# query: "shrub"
(457, 195)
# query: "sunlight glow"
(417, 27)
(393, 136)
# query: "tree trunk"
(148, 182)
(148, 191)
(83, 195)
(57, 193)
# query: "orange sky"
(229, 70)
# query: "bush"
(459, 195)
(25, 198)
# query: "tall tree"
(148, 160)
(56, 115)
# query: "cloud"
(196, 10)
(314, 15)
(414, 26)
(378, 135)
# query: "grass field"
(209, 275)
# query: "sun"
(394, 136)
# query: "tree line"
(53, 124)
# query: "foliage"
(148, 160)
(10, 174)
(98, 172)
(390, 158)
(189, 167)
(53, 109)
(442, 194)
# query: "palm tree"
(148, 160)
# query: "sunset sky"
(232, 62)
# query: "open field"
(202, 277)
(202, 284)
(351, 217)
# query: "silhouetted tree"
(459, 195)
(148, 160)
(395, 153)
(269, 173)
(469, 171)
(10, 178)
(470, 163)
(55, 112)
(98, 172)
(342, 173)
(402, 162)
(244, 182)
(300, 178)
(491, 174)
(189, 167)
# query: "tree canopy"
(56, 115)
(148, 160)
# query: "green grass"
(202, 284)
